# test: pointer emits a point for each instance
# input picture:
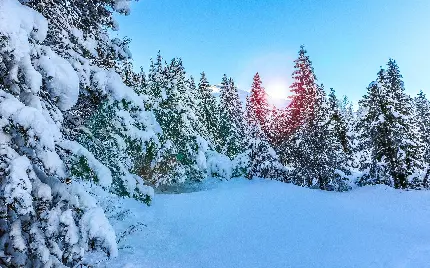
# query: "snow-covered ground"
(261, 223)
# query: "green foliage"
(81, 169)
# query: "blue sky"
(347, 40)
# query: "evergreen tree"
(208, 110)
(316, 154)
(47, 217)
(263, 162)
(338, 121)
(389, 135)
(258, 107)
(304, 88)
(191, 101)
(130, 78)
(157, 82)
(176, 113)
(422, 105)
(231, 120)
(310, 142)
(350, 120)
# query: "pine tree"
(350, 120)
(304, 89)
(373, 130)
(175, 110)
(191, 101)
(317, 155)
(422, 105)
(129, 77)
(310, 143)
(263, 162)
(208, 110)
(258, 107)
(338, 121)
(231, 120)
(157, 80)
(389, 134)
(47, 217)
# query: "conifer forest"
(104, 163)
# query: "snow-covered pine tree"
(263, 162)
(389, 134)
(304, 89)
(124, 138)
(300, 110)
(208, 110)
(192, 101)
(422, 106)
(142, 85)
(231, 120)
(338, 121)
(176, 113)
(129, 77)
(79, 32)
(350, 118)
(407, 160)
(309, 141)
(318, 158)
(157, 82)
(80, 29)
(46, 219)
(371, 129)
(257, 105)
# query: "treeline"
(205, 136)
(318, 141)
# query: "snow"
(103, 173)
(15, 233)
(72, 231)
(219, 165)
(94, 225)
(19, 23)
(18, 186)
(62, 81)
(262, 223)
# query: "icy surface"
(271, 224)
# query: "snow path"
(270, 224)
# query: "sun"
(277, 89)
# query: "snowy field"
(270, 224)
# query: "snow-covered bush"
(219, 165)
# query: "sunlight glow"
(277, 89)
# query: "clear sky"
(347, 40)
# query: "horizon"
(240, 39)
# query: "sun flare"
(277, 89)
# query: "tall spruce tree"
(310, 143)
(257, 105)
(175, 109)
(263, 161)
(231, 120)
(389, 134)
(208, 110)
(338, 120)
(422, 106)
(305, 89)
